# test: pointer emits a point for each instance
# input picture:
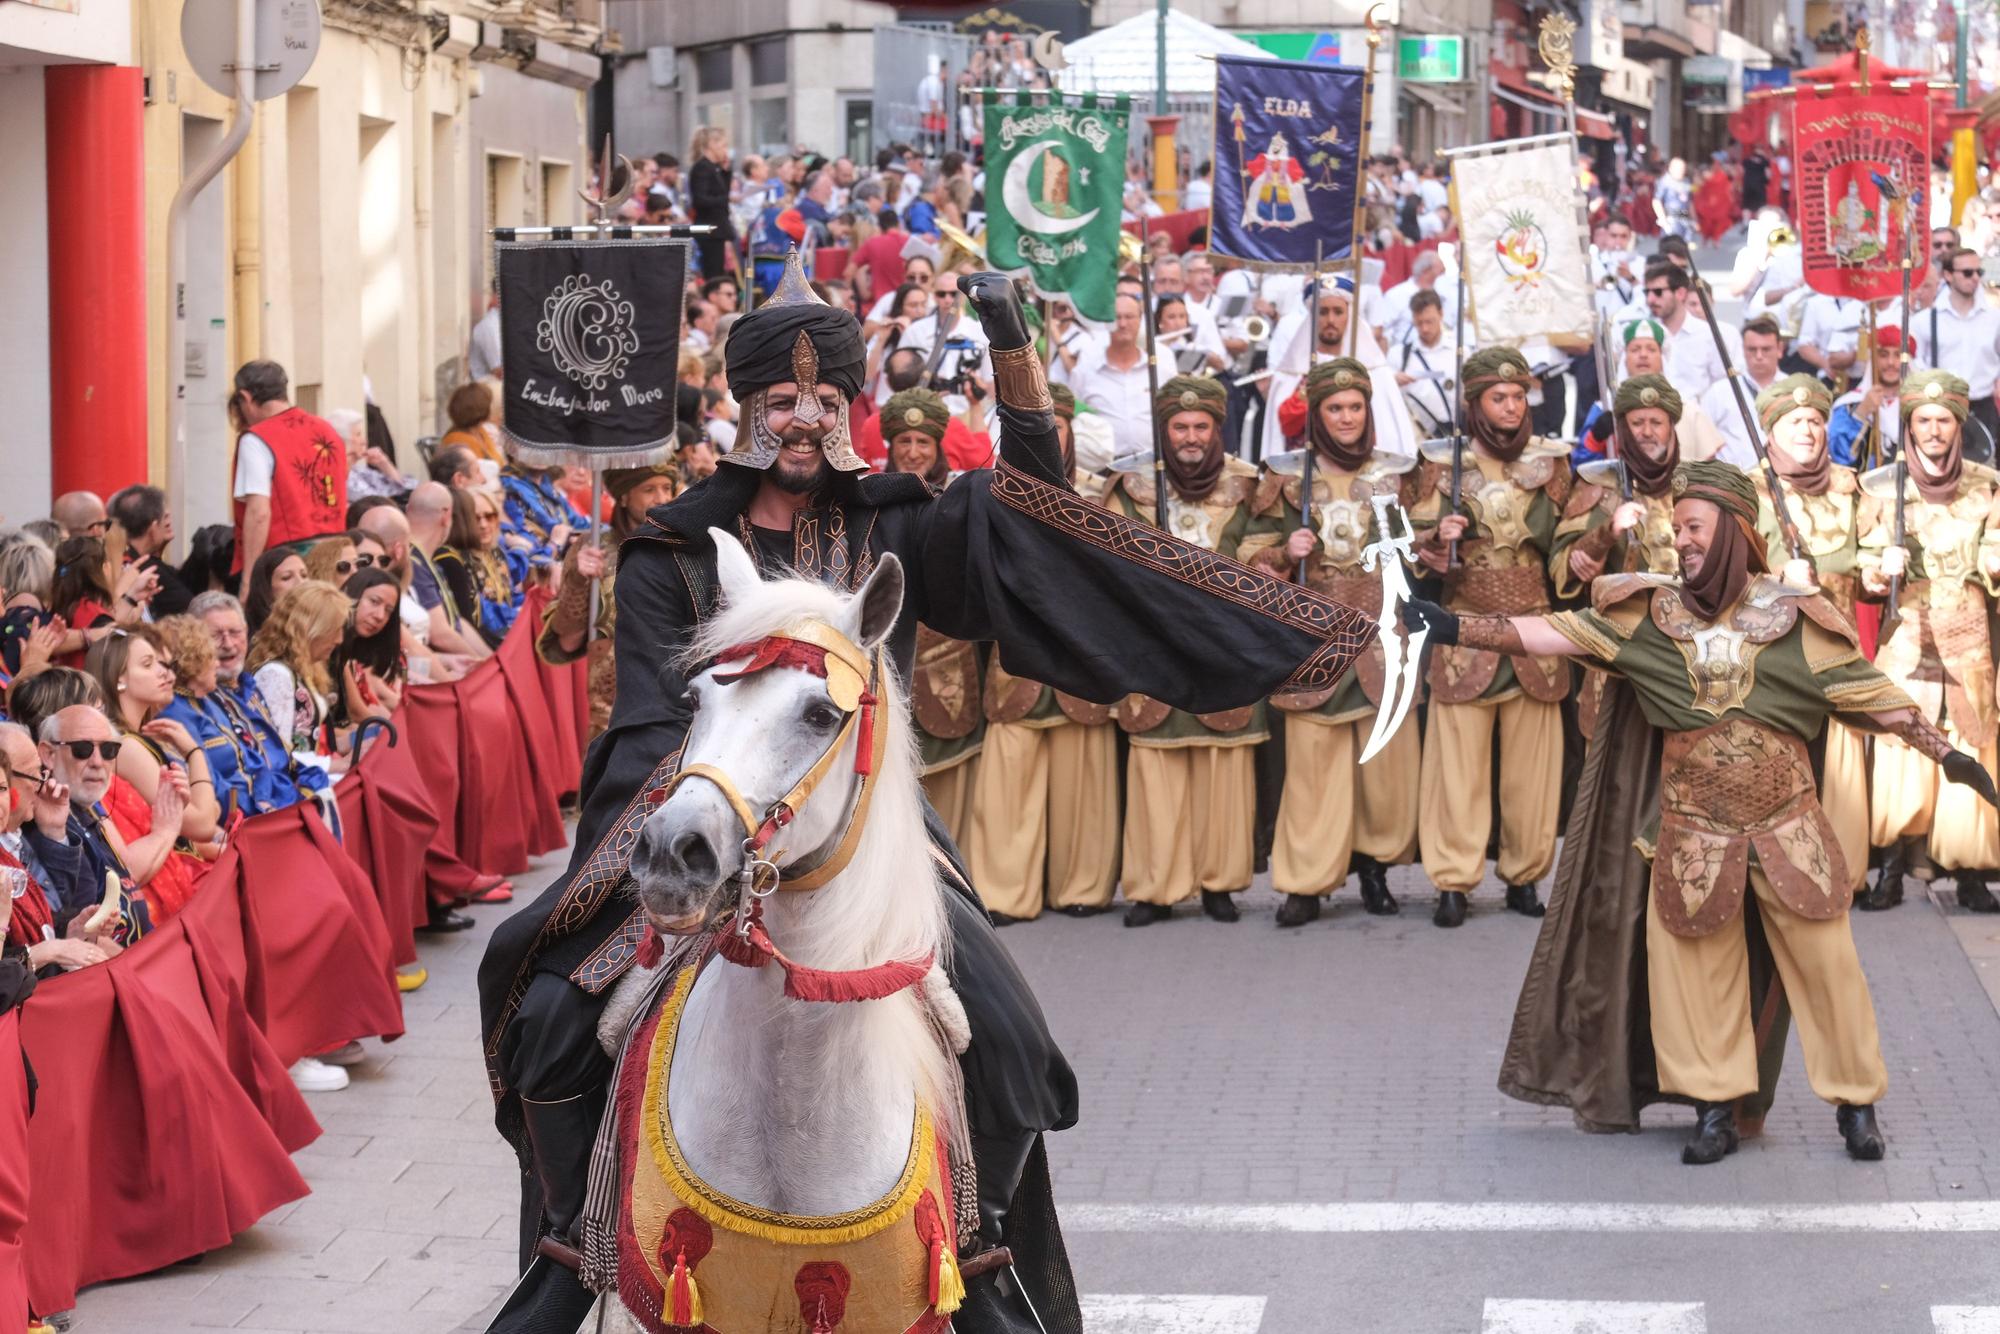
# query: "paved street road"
(1291, 1131)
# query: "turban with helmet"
(1193, 393)
(1939, 389)
(1648, 391)
(794, 337)
(1790, 393)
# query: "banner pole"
(1360, 194)
(596, 540)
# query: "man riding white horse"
(1089, 602)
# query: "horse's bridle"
(853, 677)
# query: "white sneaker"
(348, 1053)
(318, 1077)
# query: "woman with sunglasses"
(138, 684)
(332, 560)
(189, 649)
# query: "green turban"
(1938, 388)
(1648, 391)
(1065, 399)
(1330, 377)
(915, 410)
(621, 482)
(1721, 484)
(1652, 329)
(1495, 365)
(1793, 391)
(1193, 393)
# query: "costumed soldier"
(1738, 811)
(1516, 487)
(565, 625)
(1328, 817)
(1190, 785)
(945, 689)
(1604, 530)
(1940, 649)
(1826, 504)
(1087, 601)
(1045, 795)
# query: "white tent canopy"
(1122, 58)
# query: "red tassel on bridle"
(864, 736)
(753, 948)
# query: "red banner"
(1863, 163)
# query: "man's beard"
(797, 477)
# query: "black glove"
(1000, 314)
(1421, 615)
(1966, 769)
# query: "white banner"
(1527, 274)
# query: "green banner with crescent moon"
(1060, 165)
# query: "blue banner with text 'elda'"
(1288, 151)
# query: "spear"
(1779, 505)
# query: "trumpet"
(1255, 331)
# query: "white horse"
(800, 1107)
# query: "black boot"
(1714, 1134)
(1450, 909)
(1973, 895)
(1523, 900)
(1864, 1138)
(1298, 909)
(1219, 905)
(1887, 891)
(1084, 909)
(560, 1136)
(1145, 914)
(1376, 899)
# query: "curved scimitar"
(1400, 658)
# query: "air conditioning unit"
(663, 64)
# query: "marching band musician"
(1329, 817)
(1513, 489)
(1190, 786)
(1824, 500)
(1044, 824)
(1940, 650)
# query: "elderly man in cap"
(1739, 812)
(1514, 488)
(1825, 502)
(1190, 788)
(1087, 601)
(1329, 817)
(1045, 819)
(565, 633)
(1941, 648)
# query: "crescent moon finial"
(1374, 28)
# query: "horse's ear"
(881, 601)
(734, 569)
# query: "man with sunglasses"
(34, 800)
(1961, 333)
(79, 748)
(1692, 361)
(80, 514)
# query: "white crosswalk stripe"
(1529, 1316)
(1121, 1313)
(1966, 1319)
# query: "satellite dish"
(287, 43)
(1047, 49)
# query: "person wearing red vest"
(290, 467)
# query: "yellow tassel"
(684, 1296)
(950, 1287)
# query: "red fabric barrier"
(164, 1119)
(318, 954)
(567, 690)
(494, 787)
(830, 263)
(387, 822)
(540, 800)
(13, 1168)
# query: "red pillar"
(97, 276)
